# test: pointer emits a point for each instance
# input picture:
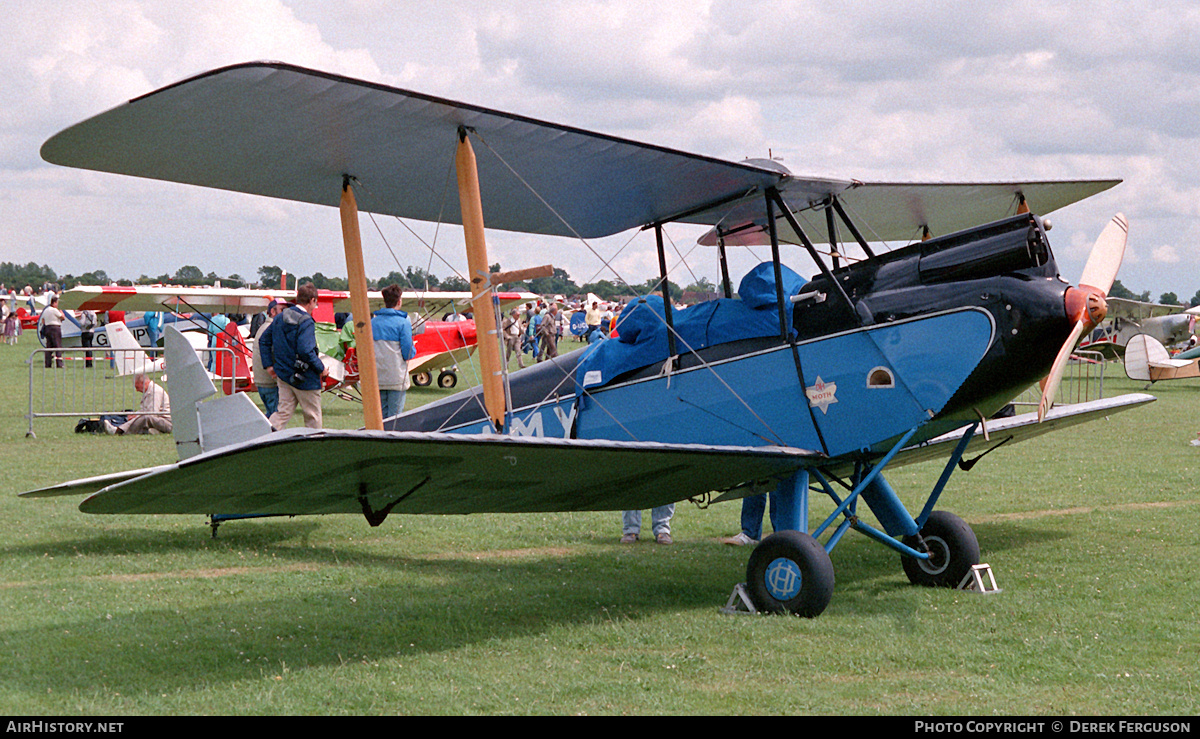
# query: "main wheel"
(953, 550)
(447, 379)
(422, 379)
(790, 572)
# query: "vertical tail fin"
(127, 352)
(198, 423)
(1139, 353)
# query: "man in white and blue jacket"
(393, 348)
(289, 353)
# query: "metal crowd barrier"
(70, 388)
(1083, 380)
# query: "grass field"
(1092, 534)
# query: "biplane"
(812, 387)
(440, 345)
(1165, 324)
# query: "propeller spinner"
(1086, 304)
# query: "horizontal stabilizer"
(89, 485)
(201, 421)
(436, 473)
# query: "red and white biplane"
(440, 345)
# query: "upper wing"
(438, 473)
(287, 132)
(887, 211)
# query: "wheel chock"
(973, 580)
(739, 602)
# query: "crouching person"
(146, 420)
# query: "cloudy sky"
(869, 90)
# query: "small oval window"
(880, 377)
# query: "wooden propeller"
(1086, 304)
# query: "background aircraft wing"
(433, 303)
(1137, 310)
(332, 471)
(168, 298)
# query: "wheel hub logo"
(783, 579)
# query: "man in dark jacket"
(289, 353)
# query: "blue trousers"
(631, 521)
(785, 510)
(392, 402)
(753, 508)
(270, 398)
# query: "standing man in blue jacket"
(289, 353)
(393, 348)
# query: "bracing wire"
(607, 264)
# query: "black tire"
(953, 550)
(447, 379)
(422, 379)
(790, 572)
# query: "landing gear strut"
(791, 572)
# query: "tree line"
(16, 276)
(410, 278)
(1120, 291)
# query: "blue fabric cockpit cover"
(757, 288)
(642, 326)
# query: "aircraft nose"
(1087, 304)
(1182, 323)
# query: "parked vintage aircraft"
(1166, 324)
(1148, 360)
(799, 385)
(128, 357)
(440, 344)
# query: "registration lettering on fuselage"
(535, 425)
